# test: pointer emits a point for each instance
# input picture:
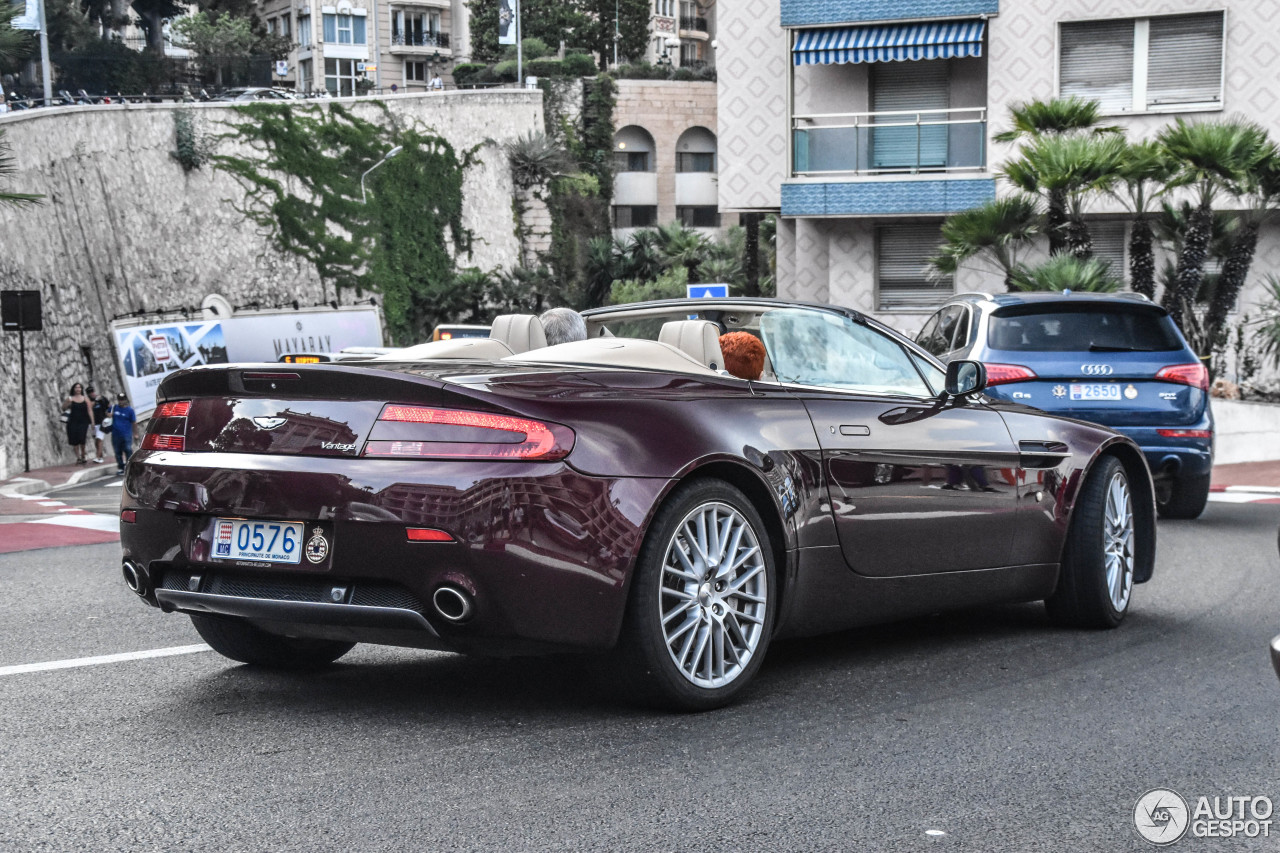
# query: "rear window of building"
(1081, 328)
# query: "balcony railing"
(882, 143)
(437, 39)
(693, 23)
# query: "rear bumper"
(1179, 457)
(543, 552)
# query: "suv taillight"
(168, 427)
(1001, 374)
(457, 434)
(1194, 375)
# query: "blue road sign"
(707, 291)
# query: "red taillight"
(173, 410)
(1186, 433)
(129, 516)
(1194, 375)
(156, 441)
(1000, 374)
(511, 437)
(427, 534)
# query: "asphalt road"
(989, 726)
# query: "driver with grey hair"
(563, 325)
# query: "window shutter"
(1097, 62)
(1185, 65)
(1109, 246)
(901, 89)
(903, 251)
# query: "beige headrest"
(699, 338)
(520, 332)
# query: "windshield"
(1081, 328)
(830, 350)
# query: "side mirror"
(965, 378)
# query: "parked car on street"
(622, 496)
(1113, 359)
(257, 93)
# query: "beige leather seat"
(698, 338)
(520, 332)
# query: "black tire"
(1083, 598)
(1187, 497)
(240, 641)
(643, 666)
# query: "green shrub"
(463, 72)
(683, 74)
(504, 71)
(544, 68)
(534, 48)
(579, 65)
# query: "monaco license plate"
(267, 541)
(1095, 392)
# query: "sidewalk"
(1247, 476)
(45, 480)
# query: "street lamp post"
(385, 157)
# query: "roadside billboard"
(146, 353)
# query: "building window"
(340, 76)
(416, 27)
(635, 216)
(305, 79)
(415, 72)
(304, 31)
(695, 161)
(1144, 64)
(271, 26)
(344, 29)
(1109, 244)
(664, 8)
(285, 26)
(902, 255)
(700, 216)
(631, 161)
(691, 54)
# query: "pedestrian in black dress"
(79, 409)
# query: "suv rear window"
(1081, 328)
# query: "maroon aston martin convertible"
(623, 496)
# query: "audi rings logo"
(1161, 816)
(1097, 369)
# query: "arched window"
(696, 151)
(633, 150)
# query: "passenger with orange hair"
(743, 354)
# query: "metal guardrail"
(909, 142)
(437, 39)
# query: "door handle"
(854, 429)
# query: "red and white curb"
(1244, 494)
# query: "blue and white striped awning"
(889, 43)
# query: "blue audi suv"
(1113, 359)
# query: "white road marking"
(21, 668)
(113, 484)
(1239, 497)
(88, 521)
(52, 503)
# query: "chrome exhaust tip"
(453, 604)
(139, 580)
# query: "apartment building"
(682, 33)
(382, 44)
(863, 123)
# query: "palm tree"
(1142, 180)
(7, 170)
(682, 246)
(1056, 116)
(1065, 170)
(1067, 272)
(1268, 333)
(1261, 187)
(1212, 157)
(14, 44)
(997, 230)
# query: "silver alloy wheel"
(714, 595)
(1118, 541)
